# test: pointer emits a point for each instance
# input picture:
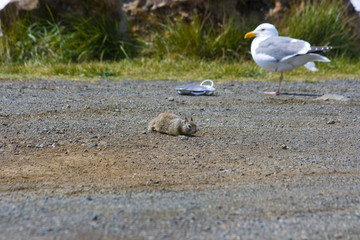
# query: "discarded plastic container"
(193, 89)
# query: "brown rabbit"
(172, 124)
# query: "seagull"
(277, 54)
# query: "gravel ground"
(77, 163)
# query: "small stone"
(228, 171)
(336, 97)
(171, 98)
(94, 145)
(104, 143)
(339, 235)
(330, 122)
(45, 130)
(39, 145)
(284, 146)
(184, 137)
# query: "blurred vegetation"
(201, 39)
(72, 39)
(324, 23)
(97, 38)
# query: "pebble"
(171, 99)
(337, 97)
(184, 137)
(330, 122)
(228, 171)
(104, 143)
(45, 130)
(39, 145)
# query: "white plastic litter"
(193, 89)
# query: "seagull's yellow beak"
(250, 35)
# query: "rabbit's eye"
(189, 126)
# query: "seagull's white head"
(263, 30)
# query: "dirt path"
(77, 155)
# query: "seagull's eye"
(263, 29)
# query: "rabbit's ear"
(186, 120)
(191, 119)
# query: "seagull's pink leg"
(277, 91)
(280, 80)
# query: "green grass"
(70, 40)
(75, 39)
(98, 38)
(183, 69)
(93, 48)
(324, 23)
(35, 41)
(201, 39)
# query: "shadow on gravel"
(302, 94)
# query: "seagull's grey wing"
(282, 48)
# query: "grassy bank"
(183, 69)
(93, 48)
